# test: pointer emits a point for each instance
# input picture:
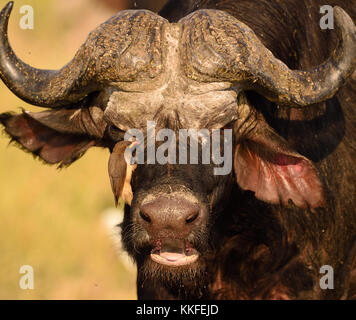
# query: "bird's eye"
(114, 133)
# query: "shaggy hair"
(267, 251)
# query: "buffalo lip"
(176, 257)
(174, 260)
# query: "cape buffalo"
(263, 69)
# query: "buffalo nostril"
(192, 218)
(145, 217)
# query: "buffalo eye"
(145, 217)
(192, 218)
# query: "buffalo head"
(136, 68)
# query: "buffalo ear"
(52, 145)
(265, 164)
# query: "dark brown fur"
(249, 249)
(270, 252)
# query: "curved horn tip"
(5, 15)
(343, 19)
(7, 9)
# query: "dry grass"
(50, 219)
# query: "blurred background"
(59, 222)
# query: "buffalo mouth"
(174, 252)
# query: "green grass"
(51, 219)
